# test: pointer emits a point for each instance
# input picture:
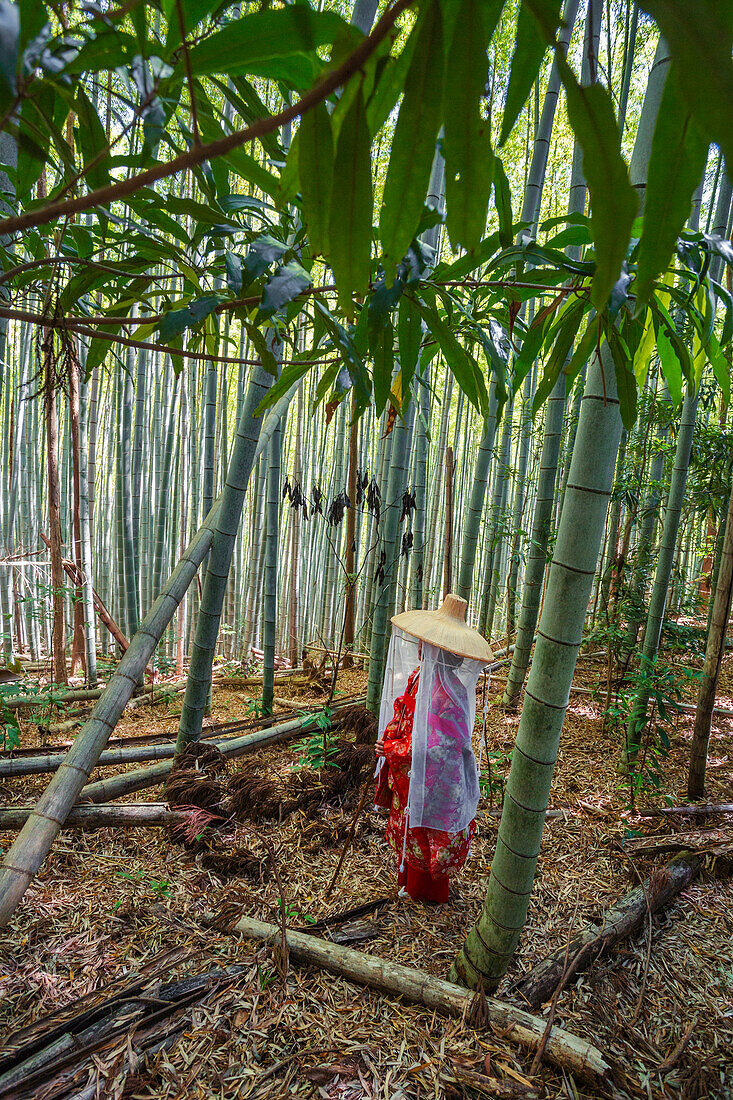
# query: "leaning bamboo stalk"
(128, 816)
(35, 839)
(563, 1049)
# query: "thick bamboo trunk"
(212, 598)
(622, 920)
(562, 1048)
(714, 651)
(448, 523)
(54, 516)
(78, 646)
(350, 609)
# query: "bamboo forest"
(366, 549)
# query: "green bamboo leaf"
(588, 343)
(679, 151)
(409, 335)
(350, 226)
(176, 321)
(247, 44)
(193, 11)
(613, 200)
(315, 159)
(529, 50)
(383, 367)
(464, 367)
(700, 39)
(567, 330)
(625, 382)
(503, 200)
(721, 367)
(413, 146)
(469, 162)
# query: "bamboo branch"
(103, 196)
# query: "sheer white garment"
(402, 659)
(444, 784)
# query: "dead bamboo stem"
(563, 1048)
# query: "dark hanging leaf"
(407, 541)
(285, 284)
(247, 44)
(469, 161)
(336, 512)
(317, 501)
(408, 504)
(177, 321)
(529, 50)
(613, 199)
(379, 572)
(350, 225)
(679, 151)
(413, 145)
(374, 499)
(700, 39)
(315, 160)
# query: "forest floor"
(108, 902)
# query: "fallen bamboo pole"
(105, 790)
(128, 815)
(36, 765)
(621, 921)
(563, 1049)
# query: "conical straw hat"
(446, 628)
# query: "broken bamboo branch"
(621, 921)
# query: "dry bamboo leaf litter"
(108, 902)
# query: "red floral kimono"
(430, 855)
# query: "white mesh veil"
(402, 659)
(444, 787)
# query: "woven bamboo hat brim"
(446, 628)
